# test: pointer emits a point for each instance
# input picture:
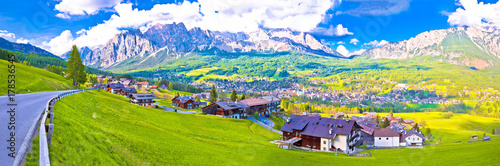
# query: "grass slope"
(35, 79)
(103, 129)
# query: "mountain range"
(163, 42)
(26, 48)
(459, 45)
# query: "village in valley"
(340, 132)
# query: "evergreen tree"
(392, 115)
(428, 131)
(416, 127)
(76, 69)
(385, 124)
(213, 95)
(234, 96)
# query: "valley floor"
(99, 128)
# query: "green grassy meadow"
(32, 78)
(104, 129)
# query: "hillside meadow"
(32, 78)
(99, 128)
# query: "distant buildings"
(241, 109)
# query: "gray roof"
(411, 132)
(144, 96)
(116, 86)
(319, 126)
(129, 90)
(228, 105)
(385, 132)
(271, 98)
(184, 99)
(368, 127)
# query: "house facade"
(265, 106)
(127, 92)
(367, 129)
(386, 138)
(186, 102)
(115, 88)
(412, 138)
(227, 109)
(143, 99)
(323, 134)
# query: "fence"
(47, 130)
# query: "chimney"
(236, 101)
(330, 132)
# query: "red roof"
(143, 83)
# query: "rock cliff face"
(176, 38)
(460, 45)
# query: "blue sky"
(55, 25)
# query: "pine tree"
(76, 69)
(416, 127)
(234, 96)
(392, 114)
(213, 95)
(385, 124)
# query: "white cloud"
(61, 43)
(472, 13)
(83, 7)
(223, 15)
(12, 37)
(339, 30)
(376, 7)
(358, 52)
(23, 41)
(340, 42)
(354, 41)
(7, 35)
(342, 50)
(377, 43)
(63, 16)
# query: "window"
(386, 138)
(379, 138)
(324, 142)
(324, 148)
(418, 139)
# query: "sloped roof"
(271, 98)
(116, 86)
(367, 126)
(255, 101)
(318, 126)
(385, 132)
(411, 132)
(227, 105)
(184, 99)
(144, 96)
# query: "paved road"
(267, 121)
(178, 111)
(264, 125)
(29, 108)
